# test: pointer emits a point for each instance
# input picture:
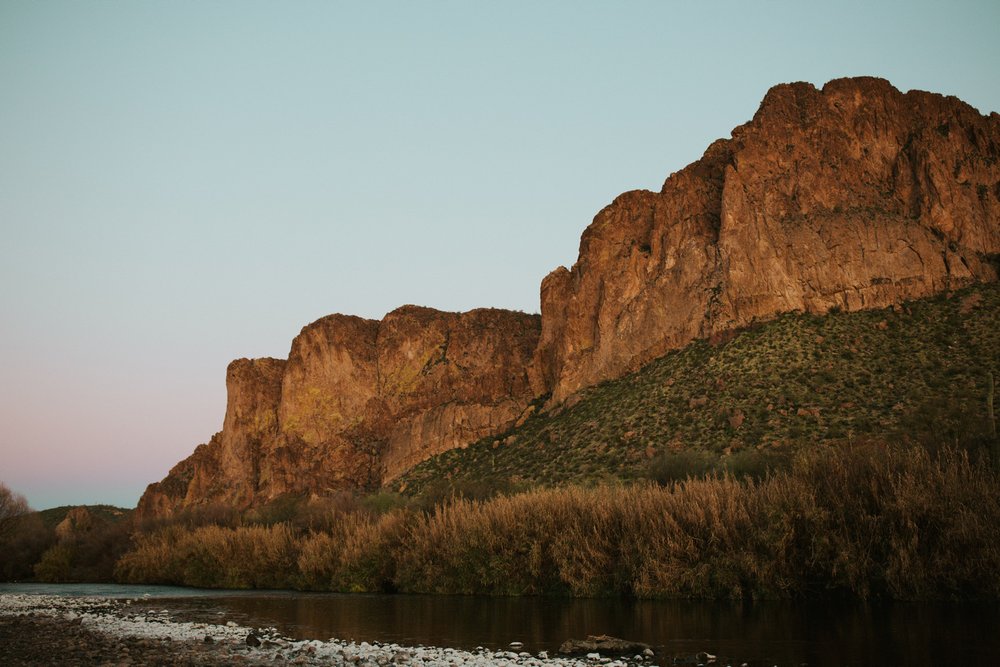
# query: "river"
(760, 634)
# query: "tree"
(23, 536)
(12, 507)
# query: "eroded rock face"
(356, 403)
(854, 196)
(448, 381)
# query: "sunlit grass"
(862, 521)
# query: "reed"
(213, 557)
(861, 521)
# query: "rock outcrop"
(356, 403)
(854, 196)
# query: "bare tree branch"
(12, 506)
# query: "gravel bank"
(46, 630)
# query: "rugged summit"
(357, 403)
(852, 196)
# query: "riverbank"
(46, 630)
(869, 521)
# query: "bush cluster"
(864, 521)
(63, 544)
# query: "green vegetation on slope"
(917, 373)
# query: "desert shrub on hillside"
(916, 373)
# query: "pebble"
(146, 635)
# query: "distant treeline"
(63, 544)
(858, 521)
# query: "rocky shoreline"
(46, 630)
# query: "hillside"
(917, 372)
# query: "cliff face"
(358, 402)
(853, 196)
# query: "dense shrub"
(67, 544)
(55, 564)
(671, 467)
(861, 521)
(213, 557)
(359, 555)
(23, 546)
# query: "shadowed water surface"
(817, 634)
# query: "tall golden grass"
(213, 557)
(862, 521)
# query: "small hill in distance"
(70, 543)
(53, 516)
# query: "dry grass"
(864, 521)
(213, 557)
(358, 555)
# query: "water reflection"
(760, 634)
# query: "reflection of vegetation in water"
(862, 521)
(822, 634)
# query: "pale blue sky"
(184, 183)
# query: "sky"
(186, 183)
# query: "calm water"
(820, 635)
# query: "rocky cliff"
(356, 403)
(853, 196)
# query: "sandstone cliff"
(854, 196)
(356, 403)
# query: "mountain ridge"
(854, 196)
(355, 401)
